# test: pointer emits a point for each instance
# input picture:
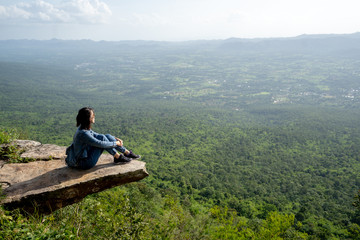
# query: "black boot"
(122, 159)
(132, 155)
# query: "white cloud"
(88, 11)
(151, 19)
(69, 11)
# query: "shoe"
(122, 159)
(132, 155)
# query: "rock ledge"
(45, 186)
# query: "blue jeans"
(93, 153)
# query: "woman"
(89, 145)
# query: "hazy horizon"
(185, 20)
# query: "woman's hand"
(119, 142)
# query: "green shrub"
(8, 135)
(10, 153)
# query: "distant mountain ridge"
(329, 44)
(355, 36)
(319, 43)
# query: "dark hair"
(83, 118)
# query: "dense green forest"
(243, 139)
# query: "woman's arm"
(89, 139)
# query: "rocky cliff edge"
(46, 185)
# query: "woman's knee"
(110, 137)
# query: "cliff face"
(50, 185)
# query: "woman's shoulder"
(81, 132)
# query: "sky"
(175, 20)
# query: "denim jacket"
(83, 139)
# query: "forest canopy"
(233, 130)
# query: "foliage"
(356, 203)
(9, 152)
(275, 226)
(15, 226)
(8, 135)
(238, 144)
(120, 214)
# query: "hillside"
(251, 129)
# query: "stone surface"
(50, 185)
(26, 144)
(36, 150)
(45, 151)
(22, 144)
